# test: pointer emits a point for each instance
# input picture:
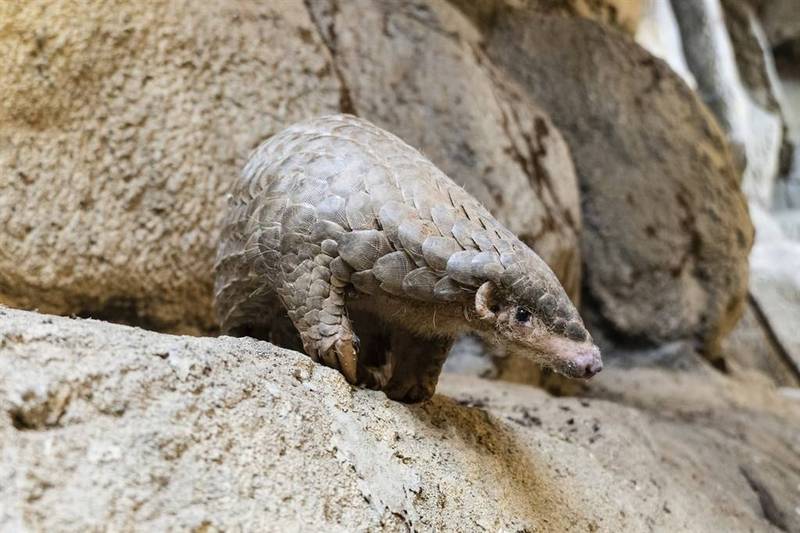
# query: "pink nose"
(588, 363)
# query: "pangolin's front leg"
(315, 302)
(417, 363)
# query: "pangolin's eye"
(523, 315)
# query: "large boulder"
(666, 228)
(122, 126)
(110, 427)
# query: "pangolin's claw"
(329, 357)
(348, 360)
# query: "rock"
(469, 357)
(713, 403)
(775, 282)
(622, 15)
(780, 20)
(752, 348)
(754, 124)
(666, 230)
(111, 427)
(122, 127)
(417, 70)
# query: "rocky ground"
(112, 427)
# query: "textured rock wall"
(110, 427)
(122, 125)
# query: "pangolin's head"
(530, 313)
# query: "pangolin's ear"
(487, 300)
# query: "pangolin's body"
(350, 230)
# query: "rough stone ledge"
(111, 427)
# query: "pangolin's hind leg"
(283, 333)
(417, 363)
(275, 328)
(315, 302)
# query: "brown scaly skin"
(347, 228)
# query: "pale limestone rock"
(122, 126)
(110, 427)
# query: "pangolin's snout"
(575, 360)
(572, 359)
(586, 363)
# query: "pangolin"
(380, 260)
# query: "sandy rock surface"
(107, 426)
(122, 126)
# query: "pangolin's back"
(395, 221)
